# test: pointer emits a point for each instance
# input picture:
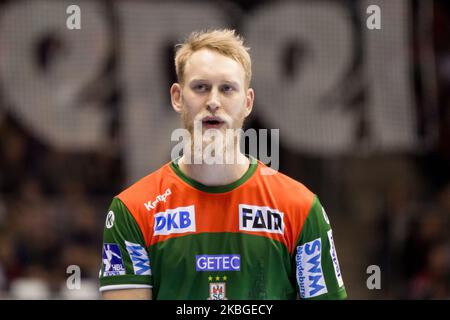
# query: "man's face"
(214, 92)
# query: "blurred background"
(363, 113)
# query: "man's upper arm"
(128, 294)
(125, 258)
(317, 267)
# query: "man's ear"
(249, 99)
(175, 97)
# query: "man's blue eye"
(227, 88)
(200, 87)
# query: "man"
(217, 230)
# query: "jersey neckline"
(215, 189)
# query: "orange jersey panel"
(276, 201)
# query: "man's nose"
(213, 102)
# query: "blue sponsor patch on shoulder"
(112, 260)
(309, 273)
(139, 258)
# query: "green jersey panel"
(317, 268)
(125, 258)
(222, 265)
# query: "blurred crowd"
(414, 225)
(52, 206)
(413, 241)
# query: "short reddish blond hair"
(224, 41)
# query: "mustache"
(207, 115)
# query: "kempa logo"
(162, 197)
(110, 220)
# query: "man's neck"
(215, 174)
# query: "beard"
(213, 145)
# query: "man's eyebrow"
(234, 83)
(198, 80)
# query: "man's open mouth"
(212, 122)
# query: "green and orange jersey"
(266, 236)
